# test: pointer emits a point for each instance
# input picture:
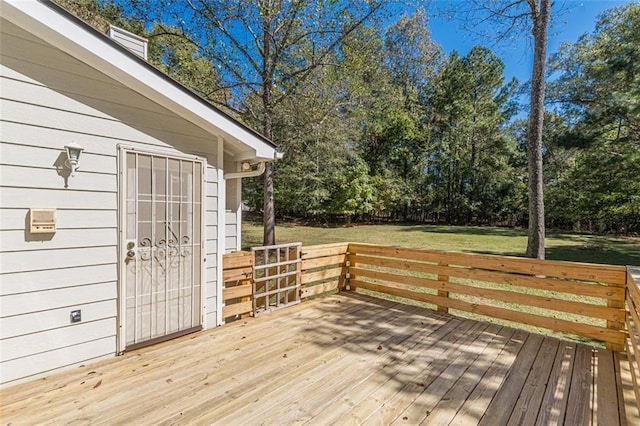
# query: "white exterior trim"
(121, 300)
(98, 51)
(239, 216)
(222, 189)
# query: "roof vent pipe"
(132, 42)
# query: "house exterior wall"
(47, 100)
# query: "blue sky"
(573, 18)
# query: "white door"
(161, 246)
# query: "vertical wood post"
(246, 298)
(296, 253)
(348, 264)
(617, 325)
(443, 293)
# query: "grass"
(503, 241)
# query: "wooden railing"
(581, 299)
(237, 288)
(585, 300)
(632, 343)
(323, 269)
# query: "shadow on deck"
(342, 359)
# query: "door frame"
(121, 332)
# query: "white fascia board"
(98, 52)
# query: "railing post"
(443, 293)
(348, 264)
(296, 252)
(617, 325)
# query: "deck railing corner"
(632, 342)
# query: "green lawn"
(560, 246)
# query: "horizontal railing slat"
(614, 275)
(237, 291)
(236, 274)
(550, 284)
(320, 288)
(310, 277)
(634, 293)
(504, 280)
(309, 252)
(495, 286)
(237, 309)
(632, 326)
(633, 354)
(237, 259)
(584, 309)
(591, 331)
(318, 262)
(237, 271)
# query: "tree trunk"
(536, 233)
(269, 218)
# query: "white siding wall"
(48, 99)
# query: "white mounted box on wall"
(42, 221)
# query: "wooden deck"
(343, 359)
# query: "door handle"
(130, 250)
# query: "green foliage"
(101, 13)
(473, 160)
(169, 48)
(175, 54)
(599, 84)
(593, 179)
(355, 192)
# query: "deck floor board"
(344, 359)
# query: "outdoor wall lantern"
(73, 156)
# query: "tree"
(264, 50)
(509, 16)
(472, 153)
(174, 54)
(320, 125)
(355, 191)
(169, 49)
(540, 13)
(100, 14)
(594, 185)
(316, 129)
(599, 80)
(392, 84)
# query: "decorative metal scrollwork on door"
(166, 252)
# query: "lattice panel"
(276, 277)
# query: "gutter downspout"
(251, 173)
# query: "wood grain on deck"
(343, 359)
